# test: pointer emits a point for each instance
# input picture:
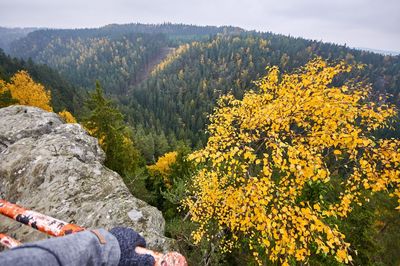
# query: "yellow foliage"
(163, 165)
(95, 132)
(67, 116)
(28, 92)
(294, 131)
(2, 86)
(171, 58)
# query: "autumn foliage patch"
(268, 154)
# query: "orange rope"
(43, 223)
(8, 241)
(55, 227)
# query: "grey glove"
(128, 240)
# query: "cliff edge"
(57, 169)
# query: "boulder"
(57, 169)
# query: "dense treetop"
(267, 152)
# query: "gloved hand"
(128, 240)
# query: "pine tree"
(105, 122)
(6, 98)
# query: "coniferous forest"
(186, 112)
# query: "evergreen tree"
(6, 99)
(105, 122)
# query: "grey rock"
(57, 169)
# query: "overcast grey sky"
(358, 23)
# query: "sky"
(371, 24)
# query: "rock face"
(57, 169)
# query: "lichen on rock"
(57, 169)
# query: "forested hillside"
(115, 62)
(9, 35)
(178, 97)
(208, 62)
(114, 55)
(64, 95)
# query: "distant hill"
(172, 30)
(116, 55)
(8, 35)
(383, 52)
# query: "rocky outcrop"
(57, 169)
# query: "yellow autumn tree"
(28, 92)
(24, 90)
(163, 166)
(297, 132)
(67, 116)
